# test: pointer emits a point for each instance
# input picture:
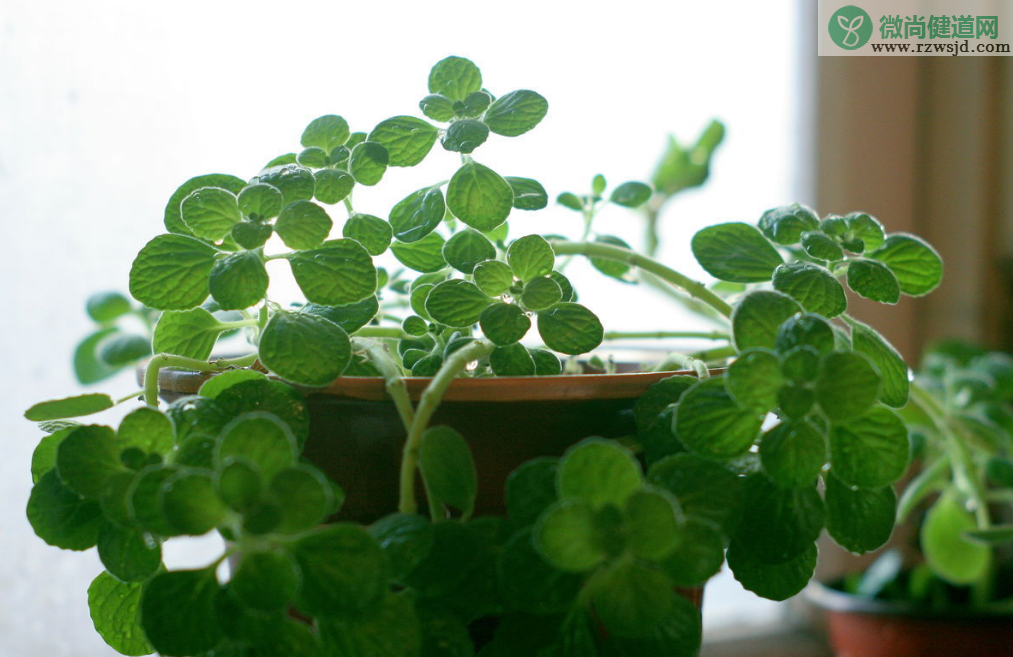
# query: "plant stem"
(394, 378)
(380, 332)
(132, 395)
(431, 397)
(636, 335)
(684, 362)
(158, 361)
(693, 288)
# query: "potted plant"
(588, 548)
(953, 592)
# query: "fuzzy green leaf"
(448, 468)
(303, 225)
(793, 453)
(892, 368)
(418, 214)
(598, 472)
(57, 409)
(467, 248)
(181, 629)
(295, 182)
(870, 451)
(631, 194)
(343, 570)
(116, 613)
(873, 280)
(813, 286)
(238, 280)
(171, 272)
(371, 232)
(917, 266)
(846, 386)
(455, 78)
(735, 252)
(188, 333)
(260, 201)
(425, 256)
(407, 139)
(504, 323)
(332, 185)
(457, 303)
(340, 272)
(465, 136)
(859, 519)
(948, 552)
(479, 197)
(304, 348)
(772, 581)
(758, 316)
(515, 113)
(61, 517)
(173, 218)
(778, 524)
(711, 423)
(326, 132)
(368, 162)
(512, 360)
(570, 328)
(754, 379)
(210, 212)
(528, 194)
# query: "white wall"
(105, 107)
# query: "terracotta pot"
(864, 627)
(356, 435)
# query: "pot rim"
(563, 387)
(834, 600)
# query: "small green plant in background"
(961, 499)
(724, 466)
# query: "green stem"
(158, 361)
(676, 361)
(636, 335)
(719, 353)
(132, 395)
(380, 332)
(693, 288)
(430, 401)
(393, 377)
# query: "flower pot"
(865, 627)
(356, 435)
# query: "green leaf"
(528, 194)
(813, 286)
(174, 220)
(418, 214)
(337, 273)
(617, 270)
(772, 581)
(570, 328)
(796, 400)
(994, 535)
(531, 256)
(948, 553)
(57, 409)
(143, 500)
(218, 383)
(181, 629)
(406, 138)
(758, 316)
(303, 225)
(787, 224)
(371, 232)
(512, 360)
(699, 554)
(652, 524)
(567, 538)
(819, 246)
(188, 333)
(437, 107)
(859, 519)
(87, 458)
(457, 303)
(778, 524)
(332, 185)
(465, 135)
(805, 330)
(406, 540)
(793, 453)
(504, 323)
(493, 277)
(61, 517)
(659, 395)
(801, 364)
(455, 78)
(265, 581)
(529, 583)
(191, 503)
(351, 317)
(259, 437)
(474, 105)
(295, 182)
(306, 497)
(368, 162)
(115, 608)
(326, 132)
(343, 570)
(735, 252)
(425, 256)
(448, 468)
(467, 248)
(148, 430)
(260, 201)
(541, 293)
(392, 630)
(238, 280)
(631, 194)
(873, 280)
(530, 489)
(128, 554)
(709, 421)
(44, 456)
(754, 379)
(598, 472)
(479, 197)
(847, 385)
(870, 451)
(88, 368)
(571, 201)
(515, 113)
(304, 348)
(251, 235)
(630, 598)
(119, 350)
(916, 265)
(107, 306)
(210, 212)
(892, 368)
(171, 272)
(238, 483)
(865, 230)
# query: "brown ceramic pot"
(356, 435)
(864, 627)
